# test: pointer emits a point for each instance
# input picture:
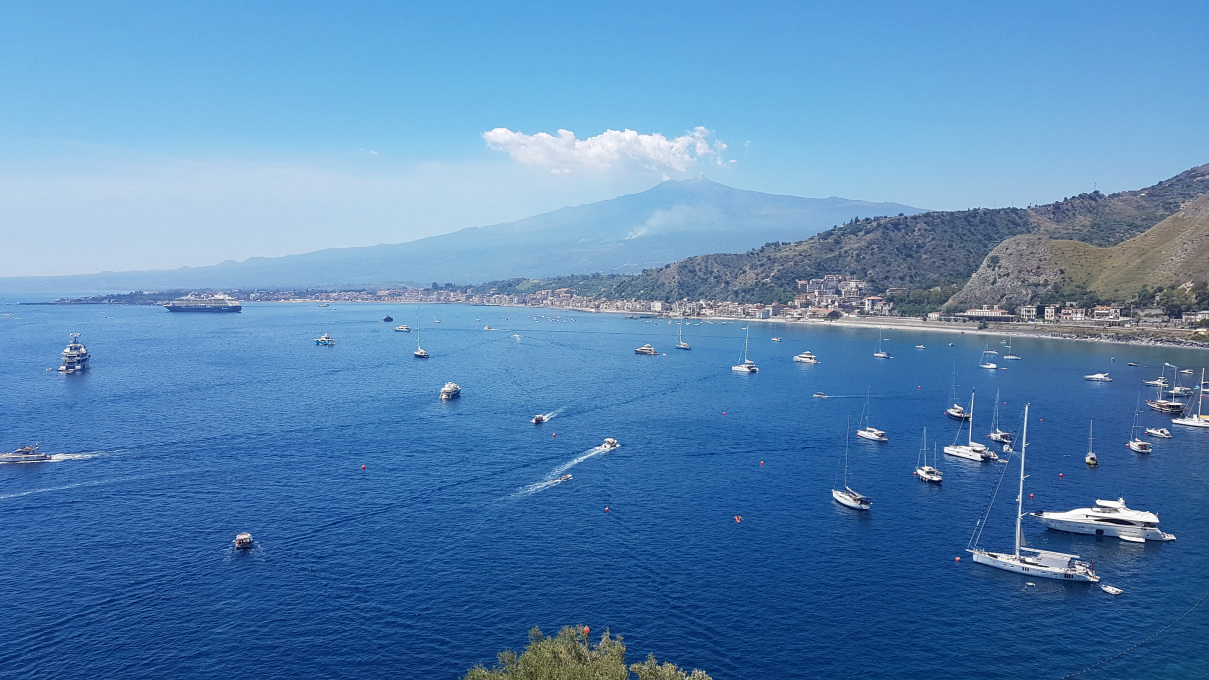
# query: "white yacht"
(1136, 443)
(243, 541)
(1188, 418)
(923, 471)
(646, 349)
(1106, 518)
(1098, 377)
(1026, 560)
(1090, 458)
(748, 366)
(867, 431)
(25, 454)
(806, 358)
(984, 362)
(971, 450)
(1160, 432)
(610, 443)
(75, 356)
(451, 390)
(402, 328)
(846, 496)
(325, 339)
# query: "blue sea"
(400, 536)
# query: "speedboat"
(1106, 518)
(872, 433)
(1098, 377)
(402, 328)
(539, 418)
(325, 339)
(451, 390)
(776, 339)
(564, 478)
(806, 358)
(1139, 446)
(1157, 382)
(646, 349)
(1161, 432)
(920, 347)
(25, 454)
(820, 395)
(243, 541)
(610, 443)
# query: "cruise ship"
(204, 303)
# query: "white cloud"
(611, 150)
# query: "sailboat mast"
(1020, 493)
(971, 443)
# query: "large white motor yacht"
(806, 358)
(1107, 518)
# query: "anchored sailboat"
(1197, 420)
(971, 450)
(923, 471)
(846, 496)
(1026, 560)
(748, 366)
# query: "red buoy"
(761, 463)
(362, 467)
(606, 508)
(958, 559)
(1059, 474)
(1030, 495)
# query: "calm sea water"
(452, 541)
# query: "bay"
(453, 540)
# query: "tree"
(569, 656)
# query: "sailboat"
(1090, 458)
(984, 362)
(419, 353)
(879, 353)
(866, 431)
(1026, 560)
(1197, 420)
(997, 434)
(846, 496)
(923, 471)
(1009, 354)
(956, 411)
(748, 366)
(971, 450)
(1136, 443)
(1159, 403)
(682, 344)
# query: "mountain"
(918, 252)
(673, 220)
(1030, 269)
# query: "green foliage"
(919, 302)
(569, 656)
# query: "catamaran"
(748, 366)
(1026, 560)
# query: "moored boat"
(325, 339)
(806, 358)
(646, 349)
(451, 390)
(243, 541)
(1106, 518)
(75, 356)
(204, 303)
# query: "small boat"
(646, 349)
(971, 450)
(25, 454)
(806, 358)
(1131, 363)
(325, 304)
(748, 366)
(451, 390)
(920, 347)
(1160, 432)
(488, 328)
(820, 395)
(1098, 377)
(610, 443)
(868, 432)
(777, 339)
(996, 434)
(387, 319)
(1009, 354)
(1111, 590)
(984, 362)
(846, 496)
(243, 541)
(880, 353)
(402, 328)
(923, 471)
(564, 478)
(1024, 559)
(538, 419)
(1157, 382)
(1090, 458)
(956, 411)
(1136, 443)
(325, 339)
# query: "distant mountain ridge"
(673, 220)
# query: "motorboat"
(1131, 363)
(920, 347)
(538, 419)
(25, 454)
(402, 328)
(1111, 590)
(1098, 377)
(806, 358)
(609, 443)
(325, 339)
(820, 395)
(75, 356)
(1160, 432)
(971, 450)
(451, 390)
(564, 478)
(1024, 559)
(923, 471)
(777, 339)
(872, 433)
(646, 349)
(243, 541)
(1106, 518)
(1157, 382)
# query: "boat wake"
(555, 476)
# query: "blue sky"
(150, 135)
